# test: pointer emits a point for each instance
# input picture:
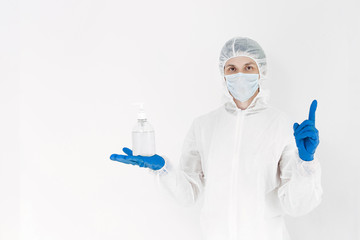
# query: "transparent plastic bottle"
(143, 135)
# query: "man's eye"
(232, 68)
(249, 67)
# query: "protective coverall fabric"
(244, 168)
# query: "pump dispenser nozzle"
(141, 112)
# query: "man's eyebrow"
(249, 63)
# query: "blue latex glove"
(307, 136)
(154, 162)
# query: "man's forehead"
(231, 64)
(240, 60)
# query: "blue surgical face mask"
(242, 86)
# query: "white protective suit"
(245, 166)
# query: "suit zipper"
(233, 218)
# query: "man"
(246, 159)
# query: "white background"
(69, 71)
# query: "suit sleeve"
(186, 182)
(300, 189)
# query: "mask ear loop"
(226, 90)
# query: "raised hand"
(307, 136)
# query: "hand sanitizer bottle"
(143, 135)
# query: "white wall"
(71, 69)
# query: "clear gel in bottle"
(143, 135)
